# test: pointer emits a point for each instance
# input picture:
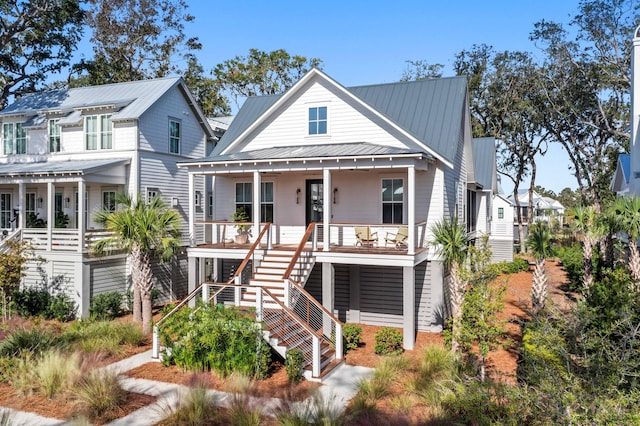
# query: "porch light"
(67, 200)
(335, 195)
(175, 201)
(298, 196)
(40, 200)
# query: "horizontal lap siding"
(314, 283)
(381, 296)
(107, 276)
(501, 250)
(170, 279)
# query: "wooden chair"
(399, 239)
(364, 236)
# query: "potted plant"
(240, 217)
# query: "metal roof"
(133, 98)
(356, 149)
(432, 111)
(484, 160)
(76, 167)
(625, 164)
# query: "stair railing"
(15, 236)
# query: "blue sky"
(368, 42)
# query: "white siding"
(108, 276)
(424, 306)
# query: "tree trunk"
(522, 246)
(531, 186)
(135, 280)
(634, 262)
(608, 257)
(146, 287)
(482, 369)
(539, 287)
(587, 253)
(457, 299)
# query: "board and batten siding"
(108, 276)
(347, 122)
(381, 296)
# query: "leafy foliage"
(388, 341)
(33, 340)
(293, 364)
(517, 265)
(38, 302)
(216, 338)
(352, 335)
(12, 268)
(106, 306)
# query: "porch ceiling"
(58, 169)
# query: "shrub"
(99, 394)
(110, 337)
(388, 342)
(106, 306)
(61, 308)
(518, 264)
(437, 365)
(195, 407)
(29, 340)
(54, 372)
(293, 364)
(352, 335)
(31, 302)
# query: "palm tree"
(584, 220)
(539, 242)
(450, 240)
(143, 230)
(627, 210)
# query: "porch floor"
(389, 250)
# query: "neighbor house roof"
(128, 100)
(620, 179)
(431, 111)
(484, 158)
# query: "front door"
(315, 202)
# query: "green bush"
(106, 306)
(388, 342)
(293, 364)
(518, 264)
(32, 302)
(216, 338)
(107, 336)
(352, 336)
(29, 340)
(61, 308)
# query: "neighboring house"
(488, 211)
(620, 180)
(375, 160)
(544, 208)
(65, 154)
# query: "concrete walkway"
(336, 391)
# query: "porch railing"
(344, 234)
(62, 239)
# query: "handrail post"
(205, 293)
(269, 242)
(315, 360)
(286, 292)
(339, 348)
(314, 239)
(237, 291)
(155, 352)
(258, 303)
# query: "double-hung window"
(392, 200)
(14, 137)
(244, 199)
(175, 133)
(6, 212)
(98, 132)
(30, 204)
(109, 201)
(500, 212)
(54, 136)
(318, 120)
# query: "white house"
(96, 141)
(341, 186)
(544, 208)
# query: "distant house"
(341, 187)
(620, 180)
(65, 154)
(544, 208)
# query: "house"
(65, 154)
(544, 208)
(488, 211)
(620, 180)
(341, 187)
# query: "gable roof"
(484, 158)
(430, 111)
(130, 100)
(620, 179)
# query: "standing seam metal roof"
(484, 160)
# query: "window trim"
(178, 138)
(15, 142)
(317, 107)
(263, 204)
(109, 191)
(392, 202)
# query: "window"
(54, 136)
(392, 200)
(500, 212)
(152, 193)
(5, 211)
(30, 204)
(210, 205)
(14, 135)
(318, 120)
(109, 200)
(98, 128)
(472, 216)
(266, 202)
(174, 137)
(244, 200)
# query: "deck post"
(339, 348)
(51, 219)
(286, 292)
(81, 215)
(315, 357)
(205, 293)
(256, 202)
(155, 351)
(411, 207)
(192, 277)
(192, 210)
(326, 214)
(237, 292)
(328, 285)
(22, 220)
(258, 303)
(409, 307)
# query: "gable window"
(109, 201)
(174, 136)
(54, 136)
(392, 200)
(500, 212)
(318, 120)
(14, 137)
(98, 132)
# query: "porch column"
(256, 203)
(192, 278)
(22, 220)
(411, 209)
(409, 306)
(328, 274)
(326, 208)
(81, 219)
(51, 193)
(192, 211)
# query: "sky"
(369, 42)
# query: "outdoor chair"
(366, 238)
(399, 239)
